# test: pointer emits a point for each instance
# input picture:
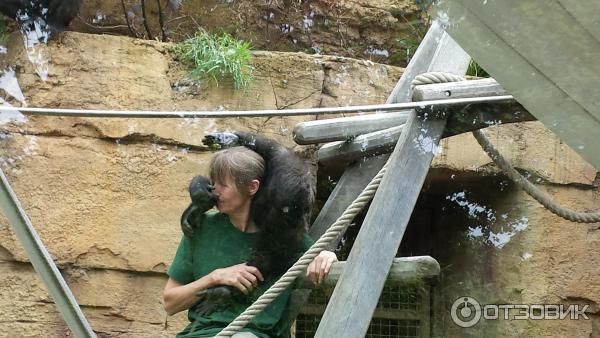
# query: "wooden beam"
(357, 292)
(321, 131)
(404, 270)
(355, 297)
(462, 120)
(510, 40)
(379, 142)
(355, 176)
(586, 13)
(461, 89)
(358, 175)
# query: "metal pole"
(255, 113)
(42, 262)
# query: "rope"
(533, 191)
(341, 224)
(434, 77)
(337, 228)
(540, 196)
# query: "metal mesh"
(306, 326)
(398, 299)
(401, 298)
(393, 328)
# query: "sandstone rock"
(105, 195)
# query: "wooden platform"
(545, 53)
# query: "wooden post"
(460, 120)
(355, 297)
(404, 270)
(343, 128)
(460, 89)
(358, 175)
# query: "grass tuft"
(476, 70)
(217, 56)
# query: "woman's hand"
(240, 276)
(319, 267)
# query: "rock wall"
(498, 245)
(385, 31)
(106, 195)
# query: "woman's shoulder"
(214, 218)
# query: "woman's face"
(229, 199)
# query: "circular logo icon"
(466, 311)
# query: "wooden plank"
(461, 120)
(353, 181)
(321, 131)
(542, 27)
(358, 175)
(537, 92)
(356, 295)
(586, 12)
(404, 270)
(379, 142)
(461, 89)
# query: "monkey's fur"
(280, 209)
(51, 15)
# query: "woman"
(217, 252)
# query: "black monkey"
(280, 209)
(50, 16)
(202, 199)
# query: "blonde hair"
(240, 164)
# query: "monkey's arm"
(265, 147)
(202, 199)
(61, 13)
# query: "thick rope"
(434, 77)
(336, 229)
(341, 224)
(533, 191)
(540, 196)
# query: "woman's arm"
(178, 297)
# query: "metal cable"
(533, 191)
(388, 107)
(342, 222)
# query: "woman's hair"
(240, 164)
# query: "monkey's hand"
(203, 198)
(222, 140)
(217, 298)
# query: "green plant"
(476, 70)
(216, 56)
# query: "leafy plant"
(217, 56)
(476, 70)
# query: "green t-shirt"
(218, 244)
